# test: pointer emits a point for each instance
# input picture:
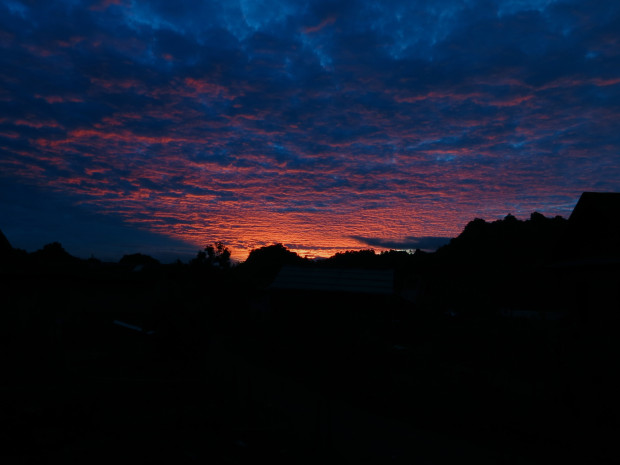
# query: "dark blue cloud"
(428, 243)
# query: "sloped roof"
(5, 245)
(356, 281)
(603, 206)
(594, 225)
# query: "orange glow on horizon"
(312, 235)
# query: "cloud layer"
(316, 124)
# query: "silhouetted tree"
(276, 254)
(215, 255)
(263, 264)
(54, 253)
(132, 261)
(366, 258)
(507, 241)
(94, 262)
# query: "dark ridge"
(508, 240)
(138, 261)
(276, 253)
(54, 253)
(353, 259)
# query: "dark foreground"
(213, 378)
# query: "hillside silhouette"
(509, 240)
(138, 261)
(500, 347)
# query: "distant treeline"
(536, 240)
(484, 250)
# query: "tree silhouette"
(54, 253)
(273, 256)
(263, 264)
(507, 241)
(133, 261)
(214, 255)
(366, 258)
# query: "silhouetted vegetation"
(53, 253)
(501, 345)
(354, 259)
(138, 262)
(213, 256)
(263, 263)
(508, 241)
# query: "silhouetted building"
(5, 245)
(349, 281)
(592, 275)
(594, 225)
(331, 304)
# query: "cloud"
(428, 243)
(374, 120)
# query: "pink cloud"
(439, 95)
(326, 22)
(606, 82)
(60, 99)
(33, 123)
(10, 134)
(205, 86)
(105, 4)
(119, 85)
(72, 42)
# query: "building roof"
(5, 245)
(356, 281)
(604, 207)
(594, 225)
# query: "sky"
(159, 127)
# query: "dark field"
(221, 379)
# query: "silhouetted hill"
(54, 253)
(138, 261)
(507, 241)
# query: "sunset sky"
(160, 126)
